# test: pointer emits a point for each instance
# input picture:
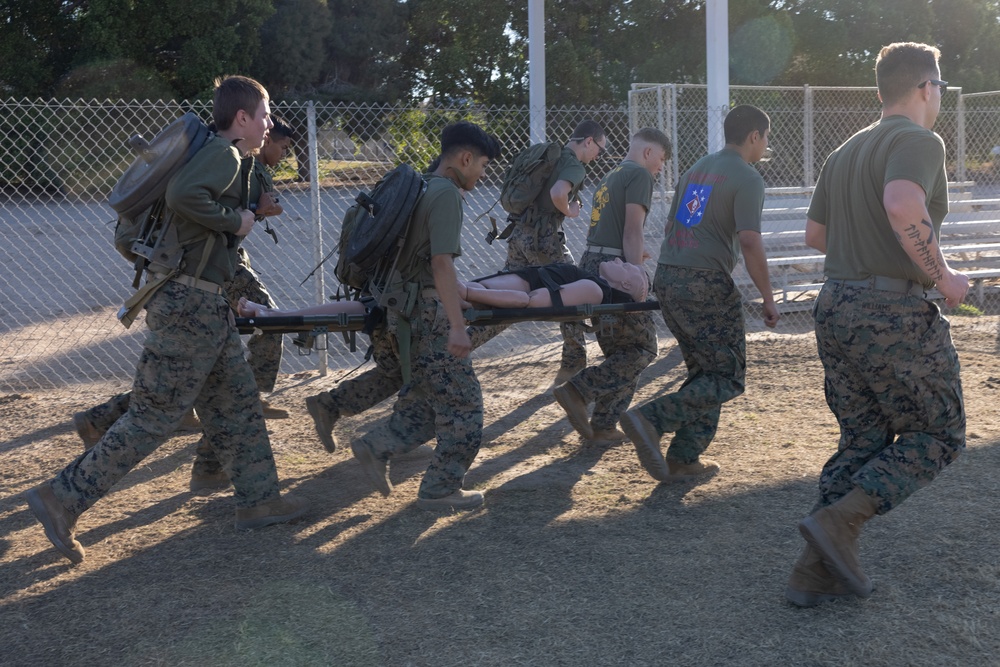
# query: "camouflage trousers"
(264, 358)
(354, 396)
(629, 345)
(703, 310)
(443, 399)
(192, 356)
(537, 243)
(264, 350)
(892, 381)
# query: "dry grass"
(578, 558)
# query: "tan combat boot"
(280, 510)
(834, 531)
(606, 437)
(324, 421)
(683, 472)
(59, 524)
(646, 441)
(271, 412)
(459, 500)
(572, 401)
(86, 430)
(376, 470)
(811, 583)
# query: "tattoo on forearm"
(931, 260)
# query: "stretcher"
(343, 322)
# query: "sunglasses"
(943, 85)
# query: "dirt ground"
(577, 557)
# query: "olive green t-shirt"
(435, 229)
(568, 168)
(849, 198)
(720, 196)
(628, 183)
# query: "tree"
(37, 44)
(292, 46)
(479, 56)
(363, 51)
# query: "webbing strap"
(552, 286)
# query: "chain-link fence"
(61, 281)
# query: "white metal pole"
(717, 59)
(317, 220)
(536, 69)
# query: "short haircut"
(742, 120)
(281, 129)
(902, 66)
(586, 129)
(233, 94)
(466, 136)
(653, 136)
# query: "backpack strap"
(130, 309)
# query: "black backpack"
(374, 230)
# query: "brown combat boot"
(375, 469)
(606, 437)
(324, 421)
(190, 422)
(280, 510)
(646, 441)
(459, 500)
(271, 412)
(834, 531)
(811, 583)
(58, 523)
(572, 401)
(566, 374)
(86, 430)
(207, 483)
(684, 472)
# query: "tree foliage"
(449, 51)
(454, 54)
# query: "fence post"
(961, 171)
(675, 163)
(808, 138)
(317, 220)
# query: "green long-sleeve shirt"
(204, 196)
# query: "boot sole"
(580, 423)
(370, 465)
(814, 534)
(38, 509)
(316, 412)
(650, 457)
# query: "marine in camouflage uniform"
(192, 355)
(443, 392)
(538, 238)
(891, 370)
(715, 214)
(264, 350)
(618, 216)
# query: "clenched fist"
(268, 205)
